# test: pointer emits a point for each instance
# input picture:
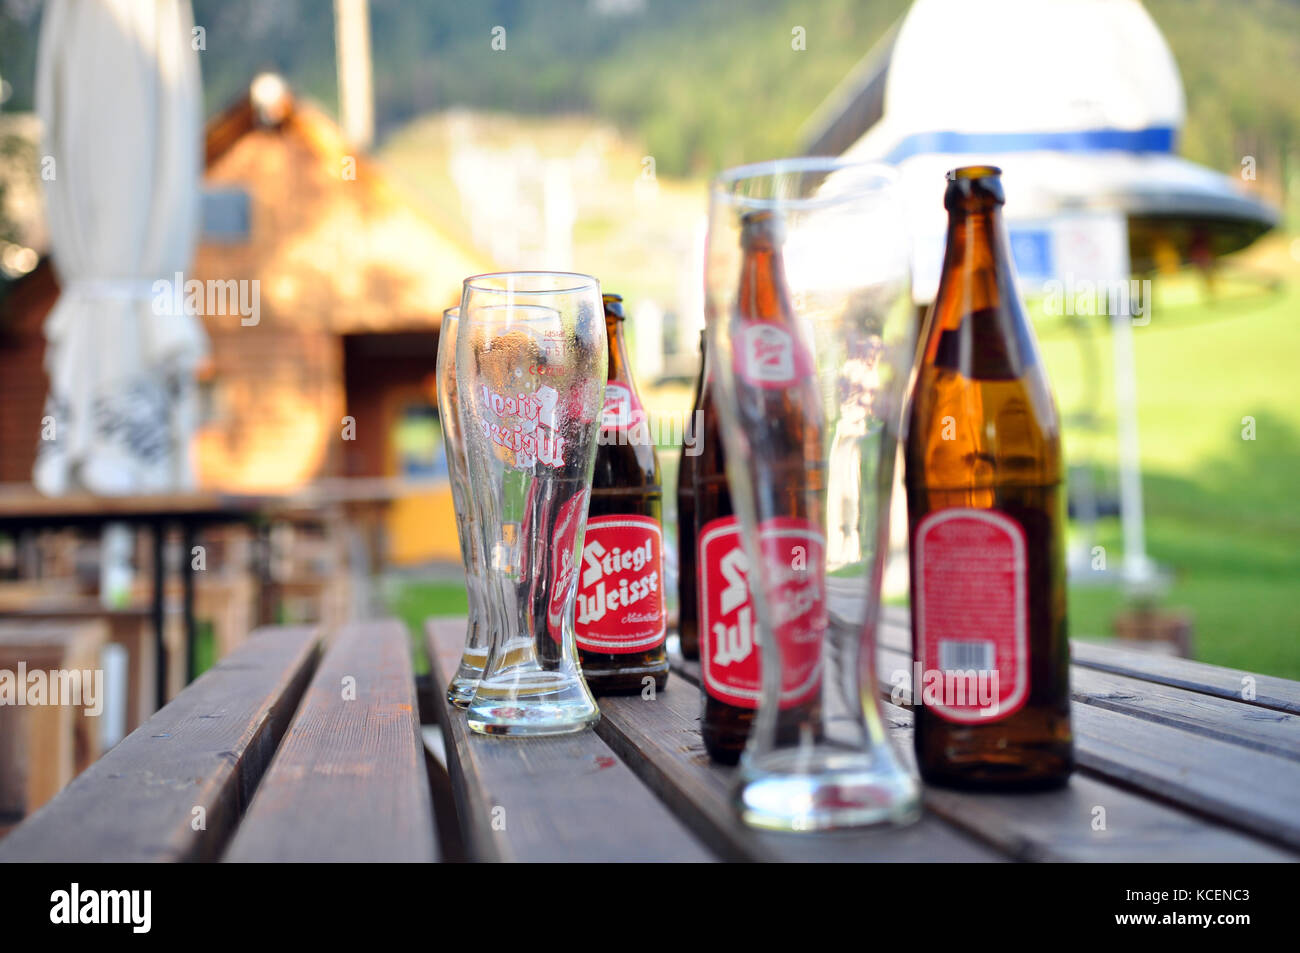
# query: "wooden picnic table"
(305, 745)
(1175, 764)
(23, 507)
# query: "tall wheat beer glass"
(810, 340)
(477, 636)
(531, 361)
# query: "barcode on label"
(967, 656)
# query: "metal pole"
(1138, 568)
(187, 584)
(159, 613)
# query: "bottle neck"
(976, 256)
(618, 362)
(703, 376)
(979, 326)
(763, 295)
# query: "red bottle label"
(563, 570)
(972, 625)
(729, 652)
(622, 408)
(620, 605)
(769, 356)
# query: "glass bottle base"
(460, 690)
(532, 704)
(462, 685)
(627, 681)
(822, 789)
(1041, 774)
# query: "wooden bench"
(287, 749)
(294, 748)
(1174, 765)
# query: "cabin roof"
(333, 241)
(332, 238)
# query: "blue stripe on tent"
(1152, 139)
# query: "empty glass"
(461, 687)
(811, 333)
(531, 362)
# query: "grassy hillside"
(1221, 511)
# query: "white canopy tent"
(118, 94)
(1079, 102)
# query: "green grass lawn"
(1222, 512)
(413, 602)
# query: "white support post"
(1139, 570)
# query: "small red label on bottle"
(729, 653)
(972, 626)
(622, 408)
(620, 603)
(563, 570)
(768, 355)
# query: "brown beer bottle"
(687, 469)
(719, 555)
(620, 614)
(779, 400)
(985, 515)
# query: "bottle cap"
(613, 306)
(762, 222)
(973, 184)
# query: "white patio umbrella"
(1080, 103)
(118, 94)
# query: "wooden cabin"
(333, 375)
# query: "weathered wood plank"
(1269, 727)
(1067, 824)
(348, 782)
(1242, 788)
(1267, 730)
(1235, 685)
(1263, 691)
(1059, 825)
(660, 739)
(1187, 752)
(549, 799)
(206, 749)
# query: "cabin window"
(417, 437)
(226, 215)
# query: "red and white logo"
(728, 637)
(794, 579)
(620, 604)
(972, 614)
(620, 403)
(766, 355)
(526, 424)
(563, 571)
(729, 649)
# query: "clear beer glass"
(477, 636)
(812, 335)
(531, 361)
